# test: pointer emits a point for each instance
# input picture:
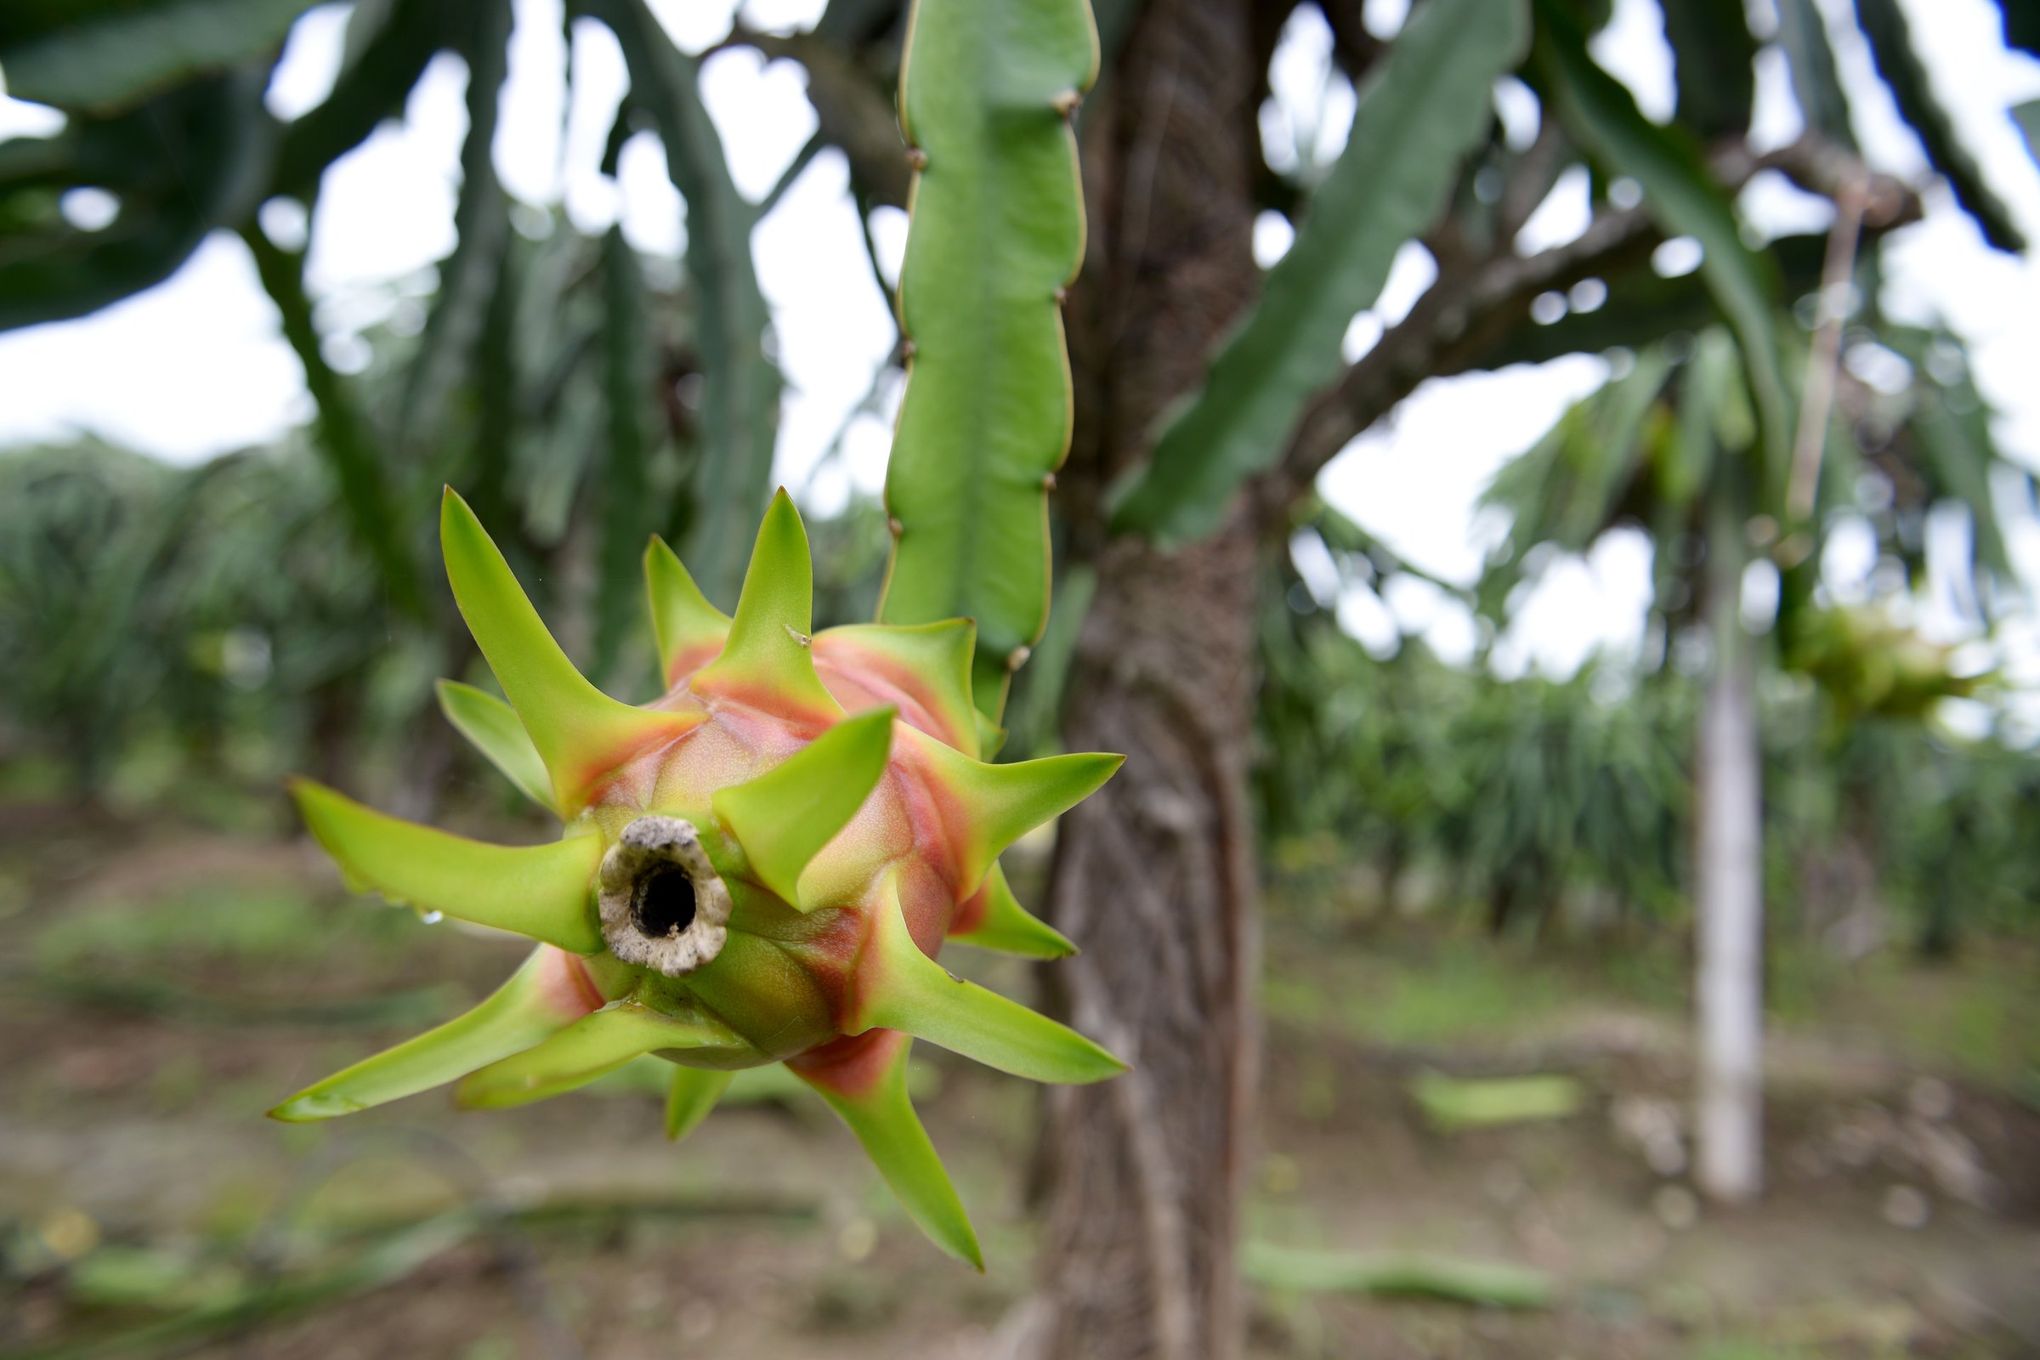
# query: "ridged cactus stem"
(987, 92)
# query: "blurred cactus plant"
(1871, 665)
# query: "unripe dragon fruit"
(759, 866)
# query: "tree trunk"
(1728, 906)
(1156, 879)
(1154, 876)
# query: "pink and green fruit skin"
(760, 865)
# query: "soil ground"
(159, 995)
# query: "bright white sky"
(196, 366)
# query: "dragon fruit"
(759, 866)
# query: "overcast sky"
(196, 366)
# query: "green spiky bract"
(825, 797)
(491, 726)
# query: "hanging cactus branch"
(758, 866)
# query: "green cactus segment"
(524, 1011)
(927, 666)
(740, 387)
(580, 733)
(995, 805)
(768, 659)
(1893, 51)
(103, 58)
(491, 726)
(693, 1093)
(1600, 115)
(881, 1115)
(542, 892)
(783, 818)
(593, 1046)
(994, 919)
(1422, 108)
(910, 992)
(986, 91)
(689, 630)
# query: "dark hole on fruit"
(664, 902)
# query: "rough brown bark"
(1155, 875)
(1156, 878)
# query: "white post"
(1729, 904)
